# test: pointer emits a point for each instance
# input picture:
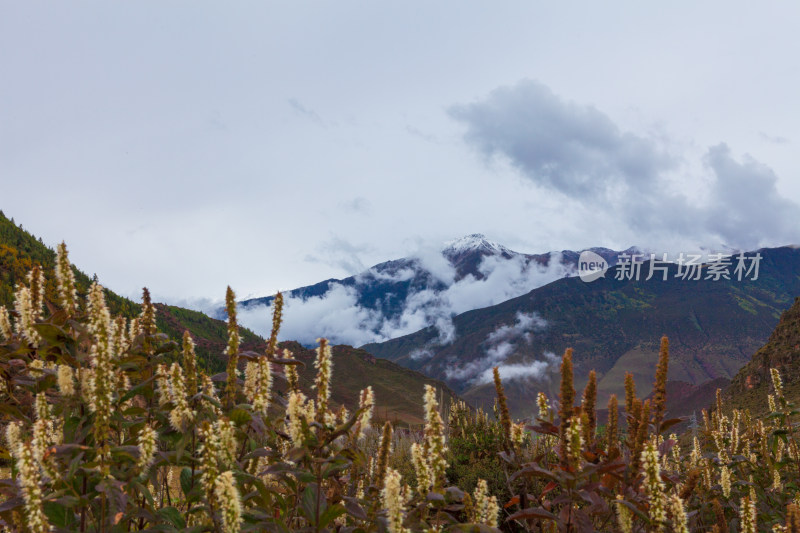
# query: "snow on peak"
(476, 241)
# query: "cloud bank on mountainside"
(498, 346)
(338, 315)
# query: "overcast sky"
(267, 145)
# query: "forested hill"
(19, 251)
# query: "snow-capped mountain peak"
(474, 242)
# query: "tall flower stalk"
(232, 351)
(324, 365)
(435, 447)
(392, 501)
(366, 403)
(30, 481)
(5, 325)
(659, 405)
(102, 385)
(65, 279)
(567, 400)
(26, 315)
(189, 360)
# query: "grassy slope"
(210, 335)
(751, 385)
(398, 390)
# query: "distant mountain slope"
(398, 390)
(401, 296)
(685, 399)
(613, 326)
(751, 385)
(210, 335)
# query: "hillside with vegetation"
(20, 251)
(397, 389)
(750, 388)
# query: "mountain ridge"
(400, 296)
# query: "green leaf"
(534, 470)
(52, 334)
(58, 514)
(167, 347)
(180, 448)
(9, 409)
(295, 454)
(129, 452)
(173, 516)
(354, 509)
(311, 496)
(239, 416)
(333, 468)
(666, 424)
(634, 509)
(305, 477)
(435, 497)
(186, 481)
(74, 465)
(139, 388)
(330, 514)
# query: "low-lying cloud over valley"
(498, 346)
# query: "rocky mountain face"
(751, 385)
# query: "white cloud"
(402, 274)
(525, 323)
(579, 152)
(335, 316)
(533, 369)
(421, 354)
(500, 343)
(432, 260)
